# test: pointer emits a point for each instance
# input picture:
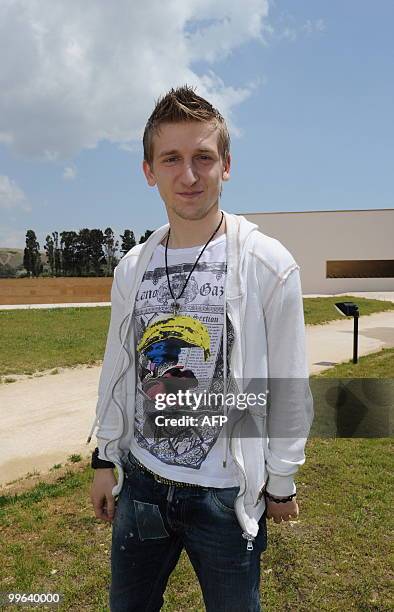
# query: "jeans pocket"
(150, 523)
(224, 499)
(130, 467)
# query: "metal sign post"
(350, 309)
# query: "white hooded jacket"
(263, 299)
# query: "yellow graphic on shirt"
(186, 330)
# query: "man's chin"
(192, 213)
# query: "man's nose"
(189, 174)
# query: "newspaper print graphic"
(180, 352)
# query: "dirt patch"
(8, 378)
(26, 483)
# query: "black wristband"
(279, 501)
(100, 463)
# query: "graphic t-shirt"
(182, 350)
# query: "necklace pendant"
(175, 307)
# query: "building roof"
(298, 212)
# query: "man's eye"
(173, 159)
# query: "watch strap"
(281, 500)
(97, 463)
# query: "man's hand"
(101, 494)
(283, 511)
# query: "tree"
(97, 253)
(83, 254)
(56, 254)
(49, 249)
(110, 248)
(146, 236)
(128, 241)
(7, 271)
(31, 255)
(68, 244)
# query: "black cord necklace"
(175, 305)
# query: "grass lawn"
(322, 310)
(37, 339)
(355, 400)
(334, 558)
(375, 365)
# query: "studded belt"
(160, 479)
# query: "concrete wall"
(55, 290)
(317, 236)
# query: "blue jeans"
(154, 521)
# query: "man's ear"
(226, 169)
(150, 177)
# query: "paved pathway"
(376, 295)
(332, 343)
(46, 418)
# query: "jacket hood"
(238, 230)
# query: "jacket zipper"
(247, 536)
(262, 490)
(260, 495)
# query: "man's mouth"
(190, 194)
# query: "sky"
(306, 88)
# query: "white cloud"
(287, 28)
(11, 195)
(314, 26)
(76, 73)
(12, 238)
(69, 173)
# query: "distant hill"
(12, 260)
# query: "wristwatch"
(280, 500)
(100, 463)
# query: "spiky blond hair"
(183, 104)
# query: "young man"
(208, 307)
